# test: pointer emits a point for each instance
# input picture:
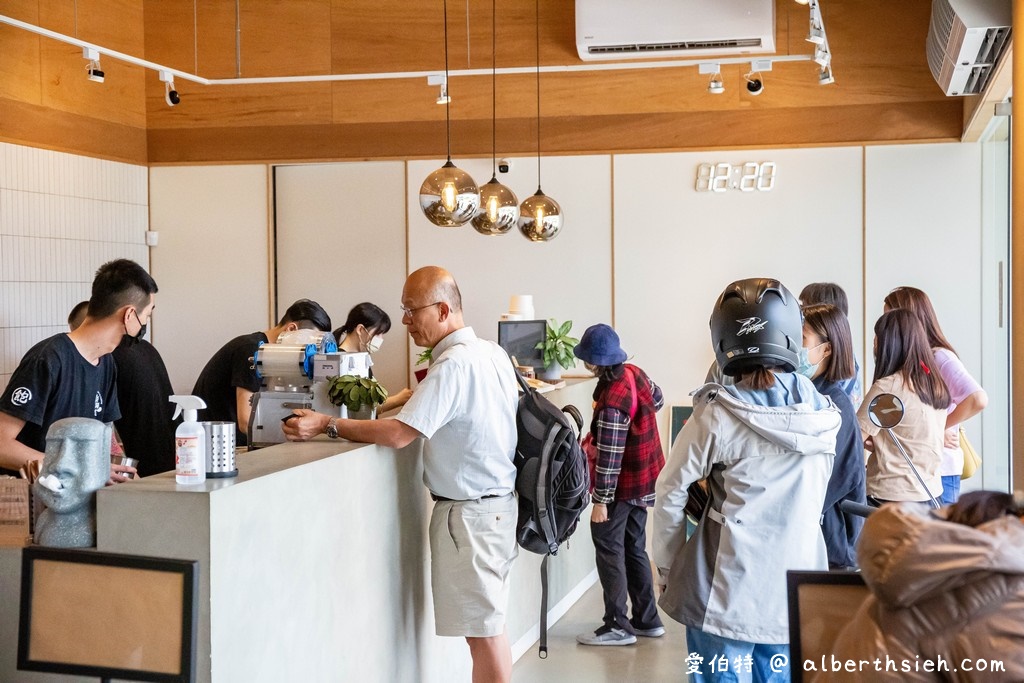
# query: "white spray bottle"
(189, 442)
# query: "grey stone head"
(77, 464)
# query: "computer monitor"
(820, 605)
(520, 338)
(108, 615)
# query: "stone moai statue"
(77, 464)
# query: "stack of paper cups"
(522, 305)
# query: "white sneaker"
(606, 636)
(656, 632)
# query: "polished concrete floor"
(651, 660)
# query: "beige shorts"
(472, 546)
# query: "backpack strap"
(632, 396)
(542, 650)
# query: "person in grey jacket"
(947, 595)
(765, 446)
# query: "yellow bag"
(972, 461)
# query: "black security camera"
(755, 86)
(504, 166)
(95, 74)
(172, 98)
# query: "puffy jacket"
(767, 469)
(941, 592)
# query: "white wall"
(62, 216)
(211, 263)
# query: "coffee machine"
(295, 375)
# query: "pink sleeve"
(955, 375)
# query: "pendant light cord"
(538, 91)
(447, 105)
(494, 90)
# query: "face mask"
(373, 346)
(137, 337)
(806, 368)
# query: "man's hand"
(121, 473)
(304, 425)
(599, 514)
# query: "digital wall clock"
(749, 177)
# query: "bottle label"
(188, 456)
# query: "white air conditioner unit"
(633, 29)
(965, 40)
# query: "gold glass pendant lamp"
(499, 207)
(449, 197)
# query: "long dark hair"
(901, 346)
(831, 325)
(917, 302)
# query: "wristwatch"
(332, 428)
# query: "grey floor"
(654, 660)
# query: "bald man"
(465, 409)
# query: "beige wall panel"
(569, 277)
(676, 249)
(341, 241)
(211, 263)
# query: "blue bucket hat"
(600, 346)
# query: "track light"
(825, 77)
(755, 86)
(816, 35)
(715, 85)
(802, 2)
(171, 96)
(441, 81)
(92, 69)
(443, 97)
(822, 56)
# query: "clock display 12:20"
(748, 177)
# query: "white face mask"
(373, 346)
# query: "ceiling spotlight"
(171, 96)
(441, 81)
(802, 2)
(816, 35)
(822, 56)
(715, 85)
(442, 97)
(755, 86)
(92, 69)
(825, 77)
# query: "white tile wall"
(61, 217)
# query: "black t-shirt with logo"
(54, 381)
(229, 368)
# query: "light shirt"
(960, 385)
(466, 409)
(789, 389)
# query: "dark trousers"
(624, 568)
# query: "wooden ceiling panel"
(19, 77)
(239, 105)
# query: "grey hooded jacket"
(767, 470)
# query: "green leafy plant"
(425, 355)
(354, 392)
(558, 345)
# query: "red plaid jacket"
(629, 453)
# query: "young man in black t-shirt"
(73, 374)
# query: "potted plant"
(557, 348)
(425, 356)
(359, 396)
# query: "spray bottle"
(189, 442)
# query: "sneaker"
(656, 632)
(606, 636)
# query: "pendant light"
(499, 207)
(540, 216)
(449, 197)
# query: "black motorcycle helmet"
(756, 323)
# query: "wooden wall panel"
(19, 76)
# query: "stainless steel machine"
(294, 375)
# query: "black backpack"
(552, 480)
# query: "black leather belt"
(442, 499)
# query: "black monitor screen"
(519, 338)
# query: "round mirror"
(885, 411)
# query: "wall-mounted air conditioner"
(965, 40)
(632, 29)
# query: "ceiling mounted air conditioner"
(634, 29)
(965, 40)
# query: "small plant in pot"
(360, 396)
(557, 347)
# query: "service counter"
(314, 565)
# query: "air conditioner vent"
(686, 46)
(966, 38)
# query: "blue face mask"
(806, 367)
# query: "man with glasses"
(465, 410)
(72, 374)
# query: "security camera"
(504, 165)
(755, 86)
(95, 74)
